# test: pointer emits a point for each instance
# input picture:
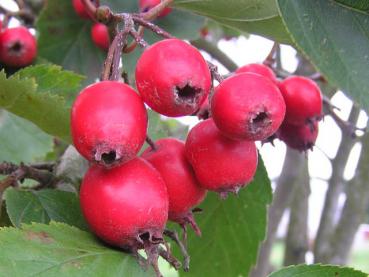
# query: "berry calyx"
(303, 100)
(18, 47)
(260, 69)
(301, 138)
(100, 36)
(247, 106)
(184, 191)
(146, 5)
(220, 164)
(173, 78)
(126, 206)
(109, 123)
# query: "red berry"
(100, 36)
(303, 100)
(79, 8)
(146, 5)
(204, 111)
(109, 123)
(18, 47)
(184, 190)
(220, 164)
(247, 106)
(260, 69)
(125, 205)
(301, 137)
(173, 78)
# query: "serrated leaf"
(251, 16)
(336, 41)
(361, 5)
(317, 270)
(42, 206)
(52, 79)
(21, 140)
(65, 39)
(61, 250)
(232, 230)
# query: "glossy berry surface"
(301, 137)
(18, 47)
(173, 78)
(184, 190)
(100, 36)
(247, 106)
(109, 123)
(220, 164)
(146, 5)
(303, 99)
(260, 69)
(79, 8)
(125, 205)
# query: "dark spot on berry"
(109, 158)
(187, 94)
(144, 236)
(259, 121)
(16, 48)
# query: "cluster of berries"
(100, 32)
(18, 47)
(126, 199)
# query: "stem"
(155, 11)
(215, 53)
(156, 29)
(151, 143)
(139, 39)
(90, 7)
(186, 258)
(121, 42)
(270, 59)
(129, 48)
(166, 255)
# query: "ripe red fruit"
(173, 78)
(301, 137)
(109, 123)
(260, 69)
(303, 100)
(247, 106)
(18, 47)
(220, 164)
(79, 8)
(100, 36)
(146, 5)
(204, 110)
(127, 205)
(184, 190)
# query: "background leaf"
(317, 270)
(60, 250)
(232, 230)
(21, 140)
(42, 206)
(336, 40)
(362, 5)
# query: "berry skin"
(109, 123)
(100, 36)
(301, 138)
(146, 5)
(18, 47)
(247, 106)
(125, 205)
(79, 8)
(184, 190)
(260, 69)
(303, 100)
(173, 78)
(220, 164)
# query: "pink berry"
(173, 78)
(100, 36)
(220, 164)
(247, 106)
(260, 69)
(146, 5)
(109, 123)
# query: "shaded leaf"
(335, 39)
(361, 5)
(42, 206)
(61, 250)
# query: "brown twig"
(129, 48)
(186, 258)
(155, 11)
(166, 255)
(270, 59)
(151, 143)
(156, 29)
(214, 72)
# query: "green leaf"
(21, 140)
(60, 250)
(49, 112)
(361, 5)
(65, 39)
(42, 206)
(257, 17)
(317, 270)
(336, 40)
(52, 79)
(232, 230)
